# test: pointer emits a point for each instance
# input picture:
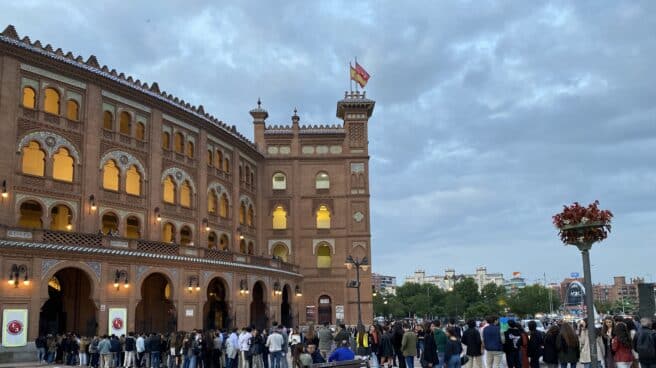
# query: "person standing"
(256, 349)
(492, 343)
(471, 338)
(621, 345)
(584, 343)
(429, 357)
(104, 349)
(83, 355)
(512, 344)
(232, 349)
(374, 345)
(41, 346)
(567, 346)
(644, 344)
(141, 348)
(453, 348)
(274, 343)
(607, 336)
(409, 346)
(130, 347)
(535, 345)
(244, 347)
(550, 354)
(440, 342)
(397, 333)
(325, 340)
(155, 353)
(386, 349)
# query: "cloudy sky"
(489, 115)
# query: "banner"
(118, 321)
(14, 331)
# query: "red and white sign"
(14, 331)
(118, 321)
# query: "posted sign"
(14, 327)
(118, 321)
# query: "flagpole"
(350, 78)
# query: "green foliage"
(531, 300)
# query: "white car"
(540, 326)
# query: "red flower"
(567, 221)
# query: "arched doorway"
(155, 312)
(259, 316)
(286, 316)
(216, 307)
(69, 307)
(325, 309)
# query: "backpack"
(645, 346)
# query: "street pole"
(589, 300)
(357, 278)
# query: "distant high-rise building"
(449, 279)
(383, 283)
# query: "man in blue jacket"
(493, 343)
(342, 353)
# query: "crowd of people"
(620, 343)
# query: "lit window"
(210, 158)
(185, 194)
(140, 133)
(178, 142)
(211, 202)
(125, 123)
(62, 167)
(279, 218)
(280, 251)
(30, 215)
(72, 110)
(168, 194)
(51, 102)
(34, 159)
(166, 140)
(109, 224)
(190, 149)
(110, 176)
(225, 205)
(108, 120)
(60, 218)
(29, 98)
(242, 213)
(279, 181)
(226, 165)
(211, 240)
(324, 256)
(322, 181)
(323, 218)
(185, 236)
(133, 181)
(224, 244)
(132, 228)
(250, 216)
(242, 246)
(219, 160)
(168, 233)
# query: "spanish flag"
(359, 75)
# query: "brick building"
(116, 194)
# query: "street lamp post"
(358, 263)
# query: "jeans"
(441, 363)
(193, 359)
(373, 360)
(275, 358)
(129, 359)
(512, 359)
(420, 348)
(401, 359)
(83, 358)
(154, 359)
(410, 361)
(573, 365)
(623, 364)
(494, 359)
(283, 359)
(41, 354)
(454, 361)
(229, 362)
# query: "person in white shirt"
(274, 343)
(141, 348)
(244, 347)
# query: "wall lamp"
(158, 217)
(277, 290)
(193, 283)
(5, 194)
(69, 226)
(16, 272)
(206, 224)
(243, 287)
(121, 274)
(298, 291)
(92, 202)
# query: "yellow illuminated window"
(223, 242)
(168, 233)
(211, 240)
(190, 149)
(34, 159)
(178, 142)
(324, 257)
(185, 194)
(72, 110)
(223, 209)
(132, 228)
(110, 176)
(140, 133)
(280, 251)
(133, 181)
(109, 224)
(30, 215)
(185, 235)
(108, 120)
(226, 165)
(242, 213)
(29, 98)
(124, 123)
(279, 218)
(210, 158)
(323, 218)
(168, 192)
(51, 102)
(250, 216)
(219, 160)
(60, 218)
(322, 181)
(166, 140)
(62, 166)
(211, 201)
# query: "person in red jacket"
(621, 346)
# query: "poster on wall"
(310, 315)
(339, 313)
(14, 327)
(118, 320)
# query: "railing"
(39, 116)
(152, 247)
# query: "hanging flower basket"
(583, 225)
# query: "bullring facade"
(118, 195)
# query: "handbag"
(463, 360)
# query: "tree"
(467, 289)
(531, 300)
(454, 304)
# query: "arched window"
(242, 213)
(140, 132)
(211, 201)
(185, 194)
(166, 140)
(178, 142)
(132, 228)
(110, 176)
(30, 215)
(250, 215)
(60, 218)
(224, 243)
(226, 165)
(219, 160)
(168, 233)
(279, 181)
(29, 98)
(210, 158)
(323, 218)
(168, 192)
(109, 224)
(185, 236)
(322, 181)
(242, 246)
(279, 218)
(324, 256)
(51, 102)
(211, 240)
(133, 181)
(251, 248)
(125, 123)
(62, 165)
(247, 179)
(34, 159)
(224, 207)
(108, 120)
(72, 110)
(190, 149)
(281, 252)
